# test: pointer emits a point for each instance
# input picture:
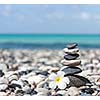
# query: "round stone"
(73, 91)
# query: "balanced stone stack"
(72, 63)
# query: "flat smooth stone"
(71, 56)
(72, 45)
(78, 81)
(71, 51)
(71, 70)
(71, 62)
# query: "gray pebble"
(71, 70)
(73, 91)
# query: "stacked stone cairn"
(72, 63)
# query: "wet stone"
(71, 70)
(72, 45)
(71, 56)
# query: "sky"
(50, 18)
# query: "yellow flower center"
(58, 79)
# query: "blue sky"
(50, 18)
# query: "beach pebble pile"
(26, 72)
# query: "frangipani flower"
(58, 80)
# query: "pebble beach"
(26, 72)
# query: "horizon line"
(46, 33)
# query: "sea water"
(45, 41)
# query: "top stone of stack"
(72, 45)
(71, 48)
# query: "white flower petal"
(62, 85)
(52, 85)
(52, 76)
(60, 73)
(66, 80)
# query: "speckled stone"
(78, 81)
